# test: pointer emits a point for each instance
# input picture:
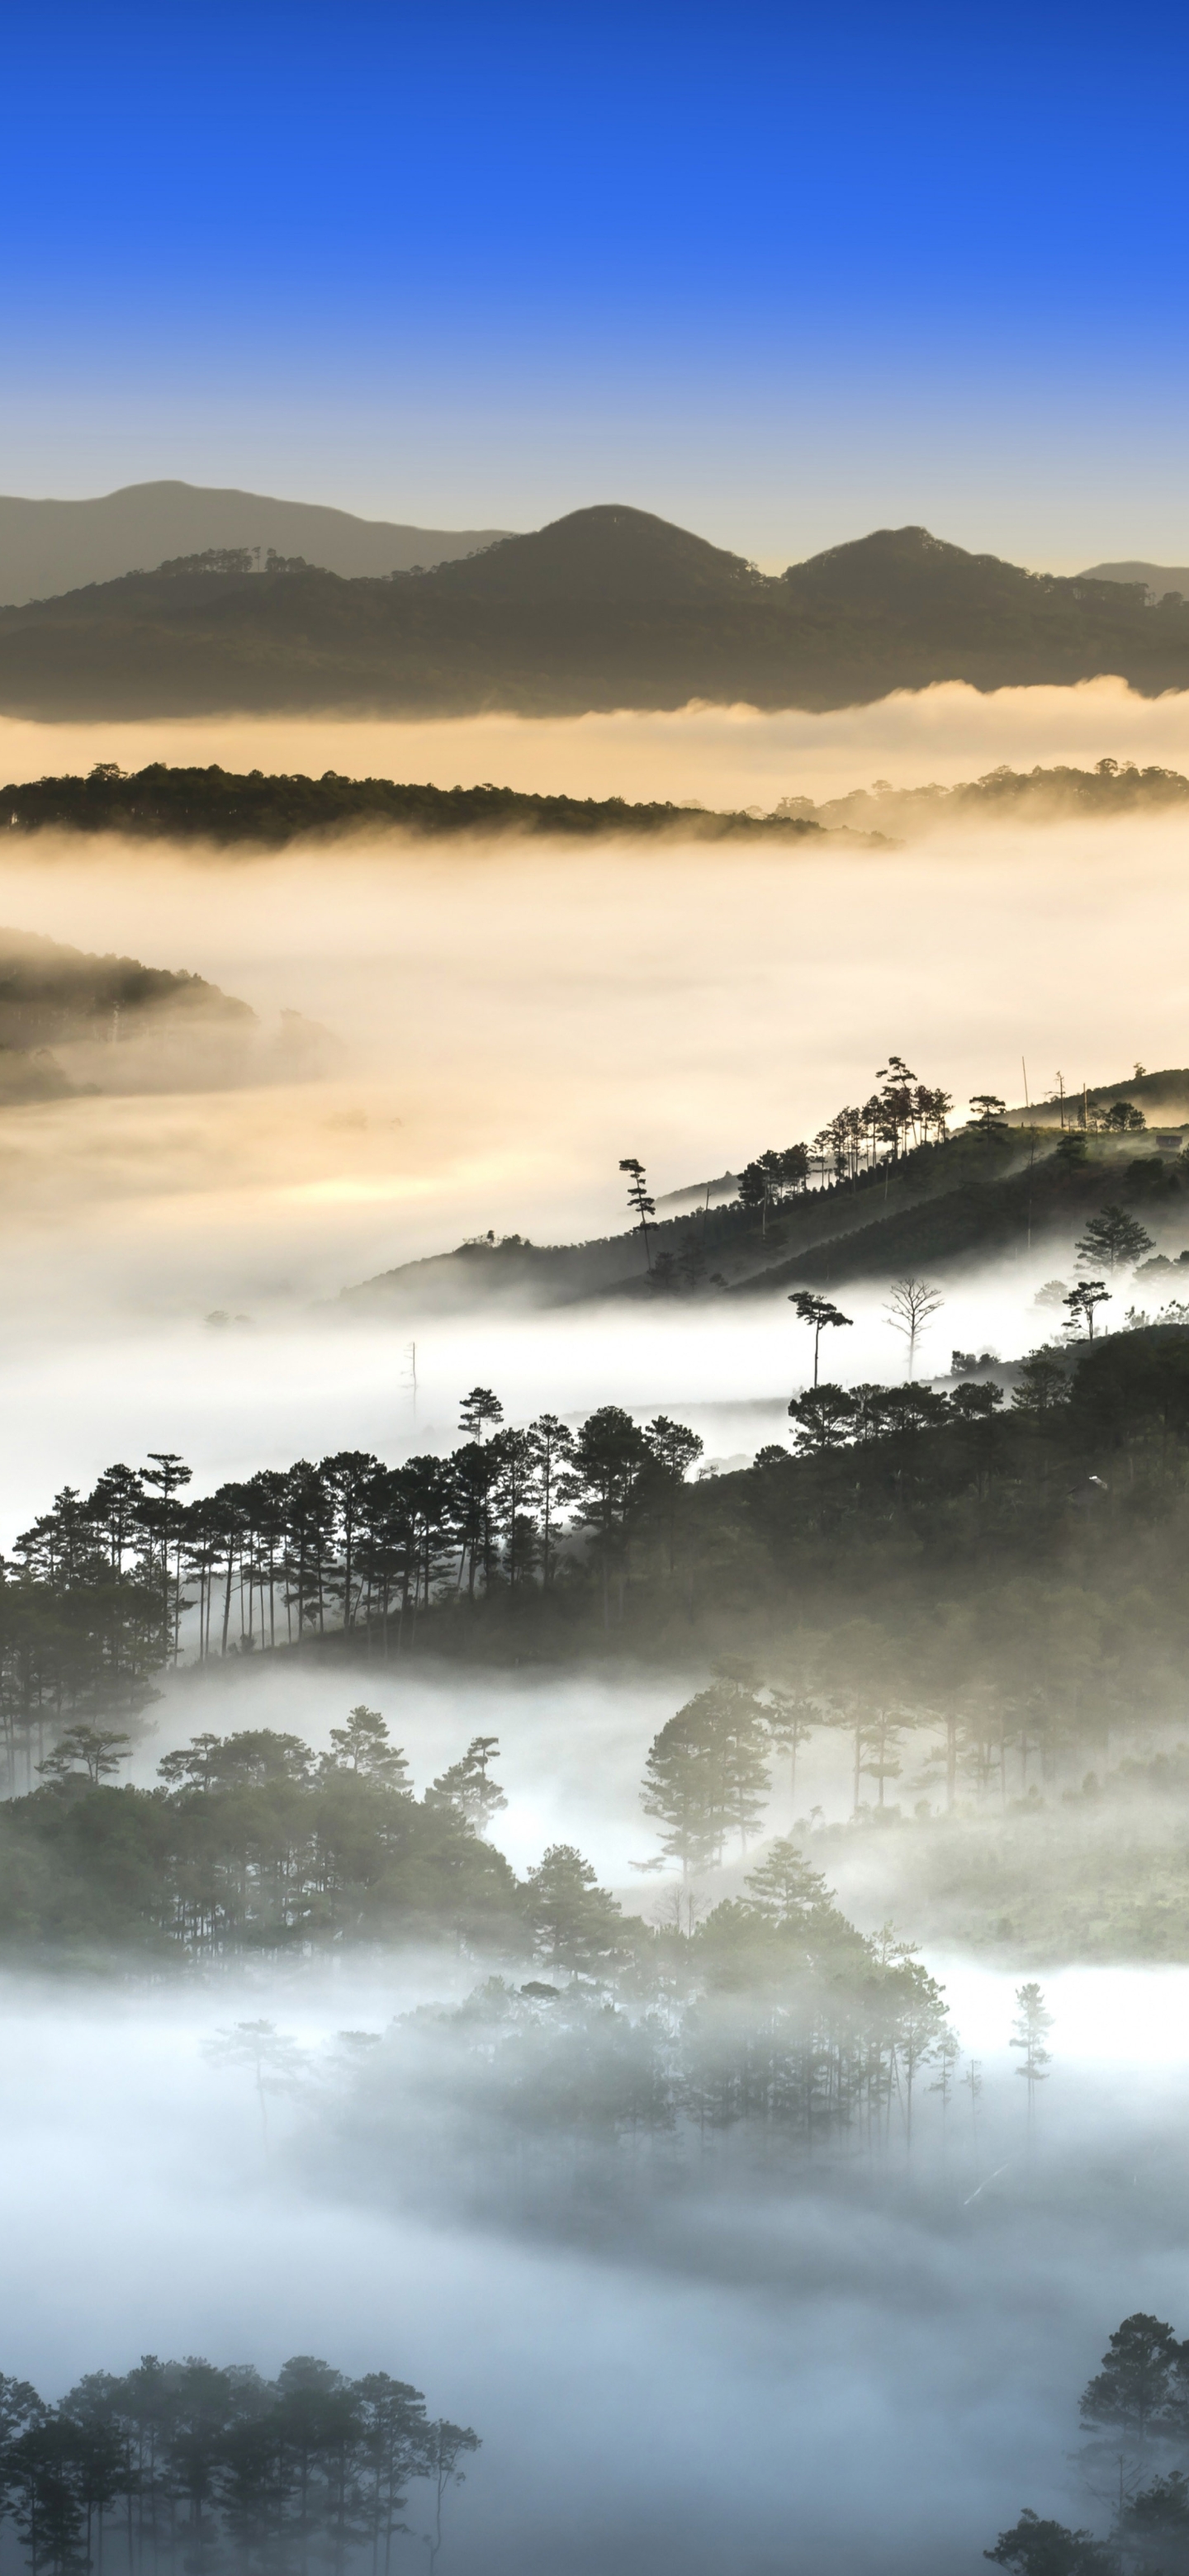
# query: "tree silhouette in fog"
(223, 2468)
(820, 1315)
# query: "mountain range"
(47, 547)
(608, 607)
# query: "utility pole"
(411, 1379)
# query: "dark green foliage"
(1111, 1237)
(251, 1845)
(706, 1777)
(1008, 1578)
(183, 2462)
(571, 1919)
(1155, 2526)
(1138, 2401)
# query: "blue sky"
(781, 274)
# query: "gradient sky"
(783, 274)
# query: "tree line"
(228, 806)
(102, 1591)
(185, 2464)
(828, 1559)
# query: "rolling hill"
(230, 810)
(73, 1023)
(939, 1207)
(609, 607)
(51, 546)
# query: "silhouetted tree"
(1112, 1237)
(820, 1316)
(639, 1201)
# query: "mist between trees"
(766, 2012)
(1135, 2414)
(1006, 1568)
(183, 2464)
(767, 2042)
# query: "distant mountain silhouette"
(50, 546)
(608, 607)
(1158, 578)
(611, 555)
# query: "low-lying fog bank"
(727, 757)
(258, 1385)
(863, 2382)
(514, 1024)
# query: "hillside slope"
(938, 1207)
(72, 1022)
(608, 607)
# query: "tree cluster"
(1136, 2413)
(251, 1844)
(229, 807)
(772, 2017)
(186, 2464)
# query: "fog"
(511, 1022)
(848, 2376)
(833, 2365)
(727, 757)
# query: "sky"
(782, 276)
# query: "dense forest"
(770, 2025)
(186, 2464)
(552, 1541)
(609, 607)
(229, 809)
(990, 1586)
(259, 810)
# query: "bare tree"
(910, 1306)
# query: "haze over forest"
(594, 1333)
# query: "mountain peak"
(608, 553)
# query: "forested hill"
(1107, 793)
(226, 807)
(608, 607)
(97, 1014)
(229, 807)
(49, 992)
(883, 1190)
